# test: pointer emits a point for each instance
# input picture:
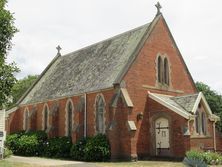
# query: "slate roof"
(92, 68)
(183, 103)
(186, 102)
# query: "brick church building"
(134, 87)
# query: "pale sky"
(43, 24)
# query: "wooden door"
(162, 137)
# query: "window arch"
(26, 119)
(45, 118)
(166, 72)
(69, 117)
(100, 114)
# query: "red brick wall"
(144, 67)
(119, 135)
(13, 122)
(143, 72)
(218, 141)
(199, 143)
(16, 118)
(178, 142)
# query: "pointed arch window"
(160, 69)
(197, 122)
(204, 123)
(45, 113)
(100, 114)
(69, 118)
(201, 121)
(166, 72)
(26, 120)
(163, 70)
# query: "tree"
(21, 87)
(7, 71)
(214, 100)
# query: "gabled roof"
(168, 102)
(95, 67)
(123, 93)
(186, 106)
(187, 102)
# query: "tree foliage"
(20, 87)
(7, 71)
(214, 100)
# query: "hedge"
(95, 148)
(58, 147)
(77, 151)
(26, 144)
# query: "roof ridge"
(107, 39)
(100, 59)
(162, 94)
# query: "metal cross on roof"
(58, 48)
(158, 6)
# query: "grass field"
(141, 164)
(4, 163)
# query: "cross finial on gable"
(158, 7)
(58, 49)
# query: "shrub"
(41, 135)
(77, 150)
(194, 155)
(36, 144)
(26, 144)
(189, 162)
(12, 141)
(97, 149)
(7, 153)
(58, 147)
(210, 158)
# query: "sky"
(44, 24)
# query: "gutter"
(214, 131)
(85, 116)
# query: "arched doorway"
(162, 137)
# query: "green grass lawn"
(4, 163)
(141, 164)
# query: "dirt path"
(48, 162)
